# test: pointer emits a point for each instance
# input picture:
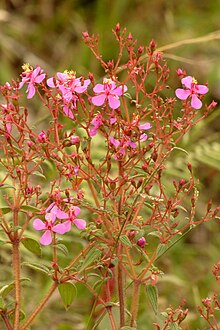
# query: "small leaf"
(6, 186)
(29, 208)
(6, 289)
(67, 292)
(152, 294)
(5, 209)
(39, 174)
(92, 255)
(131, 227)
(174, 326)
(32, 245)
(21, 315)
(161, 249)
(125, 240)
(39, 267)
(63, 249)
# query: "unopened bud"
(209, 206)
(152, 46)
(117, 29)
(141, 242)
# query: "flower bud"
(141, 242)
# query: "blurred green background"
(48, 33)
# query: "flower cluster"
(52, 222)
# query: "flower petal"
(113, 101)
(115, 142)
(98, 100)
(187, 81)
(145, 126)
(202, 89)
(67, 225)
(99, 88)
(60, 228)
(46, 238)
(31, 91)
(38, 224)
(80, 223)
(196, 102)
(50, 82)
(59, 213)
(182, 94)
(75, 209)
(120, 90)
(40, 78)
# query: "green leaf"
(6, 289)
(92, 255)
(29, 208)
(128, 328)
(6, 186)
(131, 227)
(125, 240)
(32, 245)
(161, 249)
(67, 292)
(21, 315)
(39, 267)
(152, 294)
(39, 174)
(174, 326)
(63, 249)
(5, 209)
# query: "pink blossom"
(96, 123)
(69, 86)
(48, 226)
(72, 214)
(141, 242)
(120, 146)
(143, 127)
(108, 91)
(191, 89)
(75, 139)
(31, 77)
(41, 137)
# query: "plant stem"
(135, 303)
(121, 288)
(6, 320)
(16, 269)
(39, 307)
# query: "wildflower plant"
(106, 146)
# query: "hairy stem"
(135, 303)
(16, 269)
(121, 288)
(39, 307)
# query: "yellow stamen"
(107, 81)
(27, 67)
(194, 81)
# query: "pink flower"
(79, 223)
(96, 123)
(108, 91)
(48, 227)
(31, 77)
(69, 86)
(191, 89)
(143, 127)
(120, 146)
(68, 83)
